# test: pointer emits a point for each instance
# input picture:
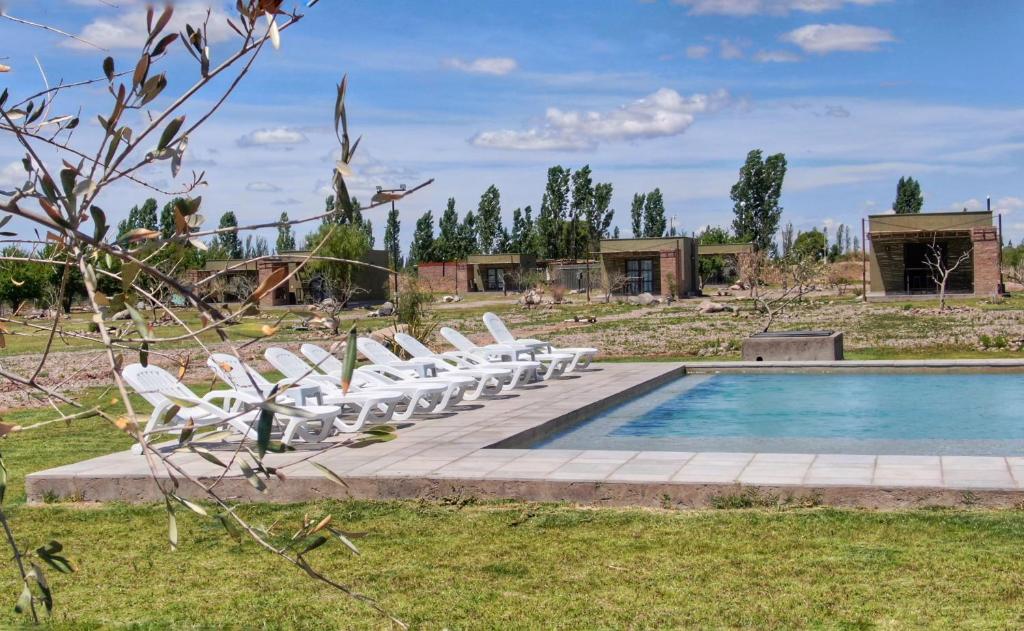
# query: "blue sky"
(662, 94)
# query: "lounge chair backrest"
(321, 357)
(413, 346)
(233, 372)
(456, 339)
(498, 330)
(288, 363)
(153, 383)
(376, 352)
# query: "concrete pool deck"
(474, 453)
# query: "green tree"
(167, 227)
(488, 220)
(22, 280)
(446, 246)
(285, 236)
(713, 267)
(344, 242)
(553, 208)
(579, 212)
(811, 244)
(422, 248)
(654, 214)
(229, 242)
(140, 217)
(392, 232)
(600, 215)
(909, 199)
(756, 197)
(636, 214)
(467, 242)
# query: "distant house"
(238, 278)
(479, 272)
(901, 243)
(656, 266)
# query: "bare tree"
(612, 282)
(941, 269)
(752, 267)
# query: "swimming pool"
(855, 413)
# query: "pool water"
(864, 413)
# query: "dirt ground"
(676, 330)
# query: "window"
(640, 276)
(493, 280)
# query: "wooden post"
(864, 262)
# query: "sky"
(663, 93)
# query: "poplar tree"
(756, 198)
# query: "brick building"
(236, 279)
(902, 244)
(659, 266)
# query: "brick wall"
(441, 277)
(986, 260)
(279, 296)
(671, 271)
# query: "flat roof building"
(660, 266)
(902, 244)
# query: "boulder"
(646, 299)
(386, 309)
(531, 298)
(737, 287)
(711, 307)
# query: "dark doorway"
(917, 276)
(640, 273)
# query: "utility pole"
(400, 189)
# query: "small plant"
(558, 292)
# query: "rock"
(448, 299)
(386, 309)
(711, 307)
(387, 334)
(531, 298)
(646, 299)
(120, 315)
(737, 287)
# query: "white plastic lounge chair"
(511, 374)
(378, 404)
(157, 386)
(581, 356)
(419, 397)
(473, 384)
(551, 364)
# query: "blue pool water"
(869, 413)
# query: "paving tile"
(782, 458)
(907, 460)
(583, 471)
(840, 471)
(664, 455)
(906, 482)
(634, 470)
(908, 472)
(716, 458)
(707, 473)
(845, 460)
(986, 463)
(593, 455)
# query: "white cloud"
(663, 113)
(697, 51)
(729, 49)
(1002, 206)
(12, 176)
(744, 8)
(821, 39)
(837, 111)
(127, 29)
(497, 66)
(277, 136)
(776, 57)
(262, 187)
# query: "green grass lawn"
(466, 565)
